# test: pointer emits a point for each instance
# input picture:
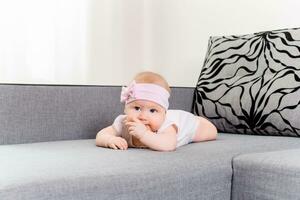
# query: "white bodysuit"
(185, 122)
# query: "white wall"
(181, 29)
(108, 41)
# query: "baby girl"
(148, 123)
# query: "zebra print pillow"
(250, 84)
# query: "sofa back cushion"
(250, 84)
(39, 113)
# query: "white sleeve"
(167, 124)
(118, 125)
(171, 120)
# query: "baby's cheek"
(130, 116)
(155, 127)
(158, 124)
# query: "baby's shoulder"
(120, 117)
(117, 124)
(178, 113)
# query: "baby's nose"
(142, 116)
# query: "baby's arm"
(165, 141)
(206, 131)
(107, 137)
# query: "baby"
(148, 123)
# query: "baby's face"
(149, 113)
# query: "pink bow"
(128, 92)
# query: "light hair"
(154, 78)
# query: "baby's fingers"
(124, 142)
(131, 129)
(121, 144)
(132, 132)
(113, 146)
(129, 124)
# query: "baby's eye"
(137, 108)
(153, 110)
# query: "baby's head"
(146, 99)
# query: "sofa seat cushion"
(273, 175)
(77, 169)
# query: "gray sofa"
(48, 151)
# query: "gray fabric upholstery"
(39, 113)
(262, 176)
(80, 170)
(76, 169)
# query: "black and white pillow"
(250, 84)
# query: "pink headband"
(145, 91)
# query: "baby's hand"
(136, 128)
(117, 143)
